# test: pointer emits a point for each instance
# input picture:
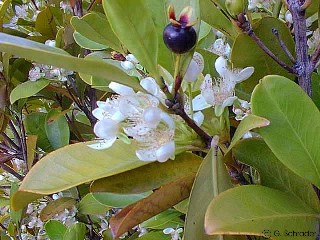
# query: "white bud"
(165, 151)
(127, 65)
(131, 58)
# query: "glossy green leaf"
(201, 195)
(35, 125)
(46, 22)
(154, 175)
(158, 10)
(90, 205)
(212, 15)
(76, 164)
(294, 125)
(247, 124)
(273, 173)
(169, 218)
(57, 129)
(15, 215)
(96, 28)
(119, 200)
(315, 85)
(55, 230)
(75, 232)
(28, 89)
(258, 210)
(56, 207)
(84, 42)
(155, 236)
(57, 57)
(136, 31)
(245, 52)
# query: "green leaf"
(90, 205)
(96, 28)
(154, 175)
(46, 22)
(168, 218)
(315, 85)
(57, 129)
(158, 10)
(258, 210)
(202, 193)
(295, 125)
(84, 42)
(132, 23)
(75, 232)
(245, 52)
(76, 164)
(247, 124)
(15, 215)
(273, 173)
(57, 57)
(155, 236)
(211, 14)
(35, 125)
(28, 89)
(55, 230)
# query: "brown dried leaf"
(162, 199)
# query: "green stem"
(277, 8)
(214, 147)
(190, 99)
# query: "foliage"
(107, 134)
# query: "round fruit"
(179, 39)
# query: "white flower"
(220, 92)
(150, 85)
(241, 109)
(175, 233)
(195, 68)
(21, 11)
(50, 43)
(130, 63)
(139, 117)
(35, 74)
(220, 48)
(314, 40)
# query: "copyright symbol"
(266, 233)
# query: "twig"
(304, 68)
(15, 133)
(283, 45)
(246, 27)
(3, 227)
(11, 171)
(178, 109)
(23, 143)
(8, 149)
(12, 143)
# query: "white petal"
(130, 57)
(168, 230)
(165, 151)
(167, 119)
(244, 74)
(150, 85)
(152, 117)
(118, 116)
(121, 89)
(129, 105)
(106, 129)
(198, 117)
(103, 144)
(192, 72)
(127, 65)
(99, 113)
(221, 66)
(199, 103)
(146, 155)
(229, 101)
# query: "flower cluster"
(46, 71)
(138, 116)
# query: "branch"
(304, 67)
(246, 27)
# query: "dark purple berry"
(179, 39)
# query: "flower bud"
(235, 7)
